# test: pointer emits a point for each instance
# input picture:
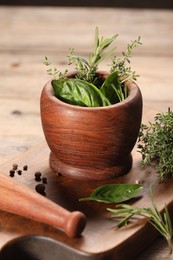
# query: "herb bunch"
(87, 89)
(156, 144)
(161, 222)
(87, 68)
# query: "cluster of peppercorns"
(40, 188)
(16, 170)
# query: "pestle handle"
(21, 200)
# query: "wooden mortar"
(91, 143)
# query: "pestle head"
(75, 224)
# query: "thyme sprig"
(52, 70)
(161, 222)
(119, 63)
(156, 144)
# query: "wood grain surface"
(100, 228)
(35, 206)
(28, 34)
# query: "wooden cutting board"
(99, 240)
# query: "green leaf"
(114, 193)
(112, 89)
(101, 58)
(79, 92)
(96, 44)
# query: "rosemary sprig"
(155, 144)
(87, 68)
(161, 222)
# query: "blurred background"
(33, 29)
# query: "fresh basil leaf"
(114, 193)
(79, 92)
(112, 89)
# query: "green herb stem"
(161, 222)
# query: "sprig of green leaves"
(52, 70)
(155, 143)
(87, 68)
(119, 64)
(161, 222)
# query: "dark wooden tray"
(99, 240)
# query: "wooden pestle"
(21, 200)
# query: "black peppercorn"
(40, 188)
(38, 176)
(12, 172)
(25, 167)
(15, 166)
(44, 180)
(19, 172)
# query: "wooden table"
(28, 34)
